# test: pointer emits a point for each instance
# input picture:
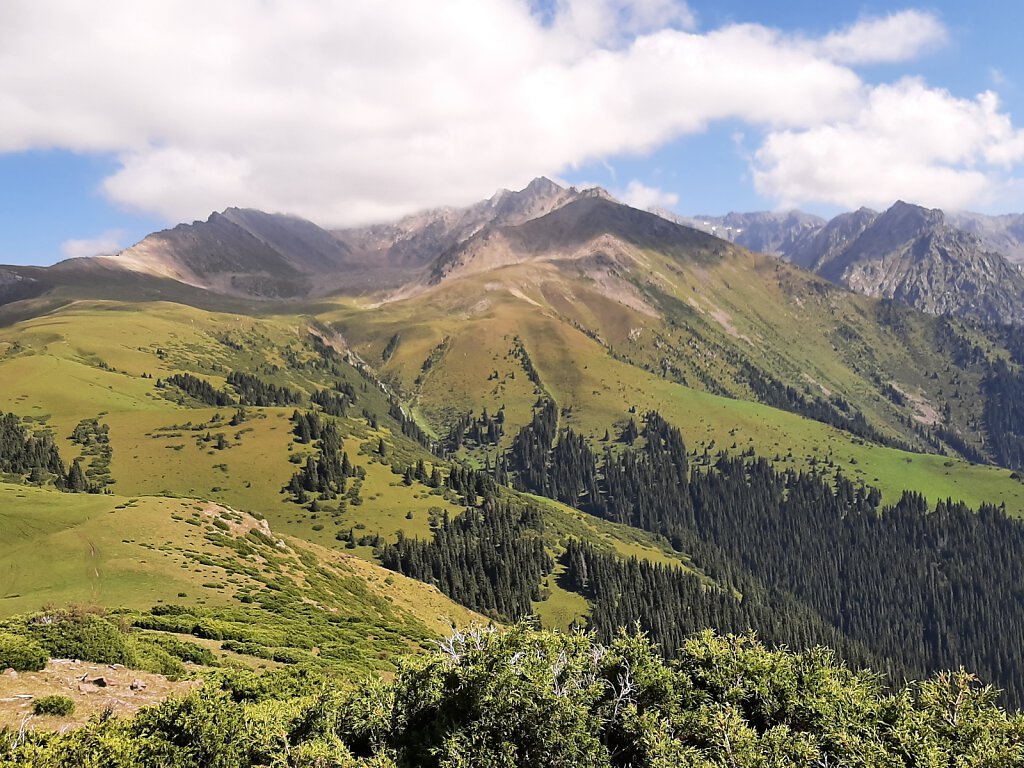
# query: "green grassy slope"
(583, 368)
(102, 360)
(672, 333)
(109, 550)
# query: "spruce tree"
(76, 481)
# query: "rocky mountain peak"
(539, 197)
(542, 186)
(905, 220)
(915, 255)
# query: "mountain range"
(959, 263)
(725, 316)
(956, 263)
(251, 253)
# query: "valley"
(577, 413)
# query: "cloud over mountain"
(101, 245)
(905, 140)
(352, 112)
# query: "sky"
(120, 117)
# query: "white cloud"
(352, 112)
(102, 245)
(614, 22)
(639, 195)
(897, 37)
(907, 141)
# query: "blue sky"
(709, 171)
(120, 118)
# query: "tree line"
(476, 431)
(251, 390)
(34, 458)
(25, 453)
(324, 476)
(835, 411)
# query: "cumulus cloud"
(616, 22)
(102, 245)
(906, 141)
(897, 37)
(352, 112)
(639, 195)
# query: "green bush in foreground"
(523, 697)
(53, 705)
(21, 654)
(78, 633)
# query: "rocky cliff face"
(816, 249)
(939, 263)
(939, 276)
(914, 255)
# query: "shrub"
(85, 636)
(53, 705)
(187, 651)
(522, 697)
(289, 655)
(153, 658)
(204, 728)
(21, 653)
(171, 609)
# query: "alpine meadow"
(365, 473)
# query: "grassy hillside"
(199, 469)
(62, 549)
(464, 347)
(170, 474)
(461, 347)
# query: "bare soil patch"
(78, 680)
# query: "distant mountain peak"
(599, 192)
(591, 225)
(940, 263)
(902, 213)
(763, 231)
(542, 185)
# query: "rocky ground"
(93, 688)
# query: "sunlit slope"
(460, 347)
(706, 313)
(107, 550)
(75, 548)
(822, 340)
(88, 361)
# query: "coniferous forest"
(24, 453)
(491, 559)
(809, 557)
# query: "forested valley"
(803, 558)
